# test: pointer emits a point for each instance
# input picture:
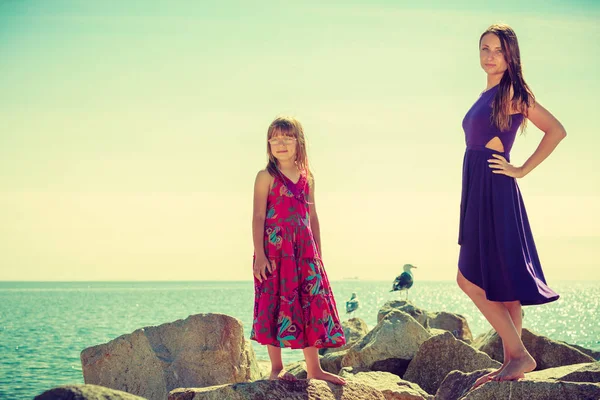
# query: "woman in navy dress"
(498, 266)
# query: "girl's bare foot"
(516, 368)
(281, 374)
(326, 376)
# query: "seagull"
(404, 281)
(352, 304)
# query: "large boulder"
(85, 392)
(547, 353)
(298, 369)
(442, 354)
(311, 389)
(457, 384)
(389, 346)
(586, 372)
(592, 353)
(332, 362)
(405, 306)
(454, 323)
(202, 350)
(392, 386)
(354, 330)
(534, 390)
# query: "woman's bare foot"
(281, 374)
(487, 377)
(516, 368)
(326, 376)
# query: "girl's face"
(283, 146)
(491, 55)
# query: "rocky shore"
(410, 354)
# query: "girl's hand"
(499, 165)
(261, 265)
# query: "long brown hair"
(523, 97)
(289, 126)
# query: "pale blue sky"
(131, 132)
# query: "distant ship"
(350, 278)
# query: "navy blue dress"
(497, 251)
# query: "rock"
(592, 353)
(454, 323)
(547, 353)
(332, 362)
(202, 350)
(456, 384)
(405, 306)
(442, 354)
(535, 390)
(311, 389)
(354, 330)
(85, 392)
(389, 346)
(586, 372)
(264, 367)
(392, 386)
(298, 369)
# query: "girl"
(498, 266)
(294, 305)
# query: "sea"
(44, 326)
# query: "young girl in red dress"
(294, 305)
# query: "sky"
(131, 132)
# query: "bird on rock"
(352, 304)
(404, 281)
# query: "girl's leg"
(314, 370)
(277, 370)
(497, 314)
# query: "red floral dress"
(294, 307)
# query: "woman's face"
(491, 55)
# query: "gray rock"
(298, 369)
(354, 330)
(442, 354)
(586, 372)
(392, 386)
(389, 346)
(311, 389)
(457, 384)
(547, 353)
(454, 323)
(535, 390)
(592, 353)
(540, 384)
(202, 350)
(332, 362)
(85, 392)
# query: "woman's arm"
(554, 132)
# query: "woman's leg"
(498, 315)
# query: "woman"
(498, 265)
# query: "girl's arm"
(554, 132)
(262, 186)
(314, 218)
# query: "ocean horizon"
(44, 325)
